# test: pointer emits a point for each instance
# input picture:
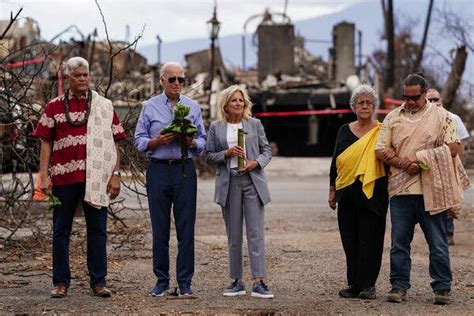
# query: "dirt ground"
(305, 265)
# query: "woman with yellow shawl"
(358, 186)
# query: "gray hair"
(169, 65)
(364, 90)
(75, 62)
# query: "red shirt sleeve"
(117, 129)
(46, 125)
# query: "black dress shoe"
(368, 293)
(349, 292)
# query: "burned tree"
(390, 56)
(30, 75)
(450, 88)
(419, 59)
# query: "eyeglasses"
(434, 99)
(173, 79)
(412, 97)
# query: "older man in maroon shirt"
(79, 163)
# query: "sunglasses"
(412, 97)
(173, 79)
(433, 99)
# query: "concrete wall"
(344, 50)
(200, 61)
(275, 50)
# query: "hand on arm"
(388, 156)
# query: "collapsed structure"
(301, 100)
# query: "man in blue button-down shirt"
(166, 184)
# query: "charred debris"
(301, 99)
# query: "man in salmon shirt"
(79, 163)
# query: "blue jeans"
(96, 223)
(166, 188)
(406, 211)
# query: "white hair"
(364, 89)
(75, 62)
(169, 65)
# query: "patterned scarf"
(101, 151)
(444, 181)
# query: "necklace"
(415, 111)
(424, 112)
(68, 114)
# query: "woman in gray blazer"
(242, 193)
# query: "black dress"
(361, 221)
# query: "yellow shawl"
(359, 160)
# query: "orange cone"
(39, 196)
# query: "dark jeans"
(96, 223)
(362, 234)
(406, 211)
(167, 187)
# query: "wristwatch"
(117, 173)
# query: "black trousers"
(362, 234)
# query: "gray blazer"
(257, 148)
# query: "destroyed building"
(292, 90)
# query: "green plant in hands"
(183, 128)
(53, 202)
(181, 125)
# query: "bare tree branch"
(12, 20)
(425, 36)
(111, 48)
(455, 26)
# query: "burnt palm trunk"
(450, 88)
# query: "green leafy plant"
(423, 166)
(53, 202)
(181, 125)
(183, 128)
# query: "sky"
(172, 20)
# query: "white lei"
(424, 112)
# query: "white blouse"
(232, 130)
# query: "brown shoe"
(396, 295)
(442, 297)
(59, 291)
(101, 291)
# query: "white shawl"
(101, 152)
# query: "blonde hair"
(224, 98)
